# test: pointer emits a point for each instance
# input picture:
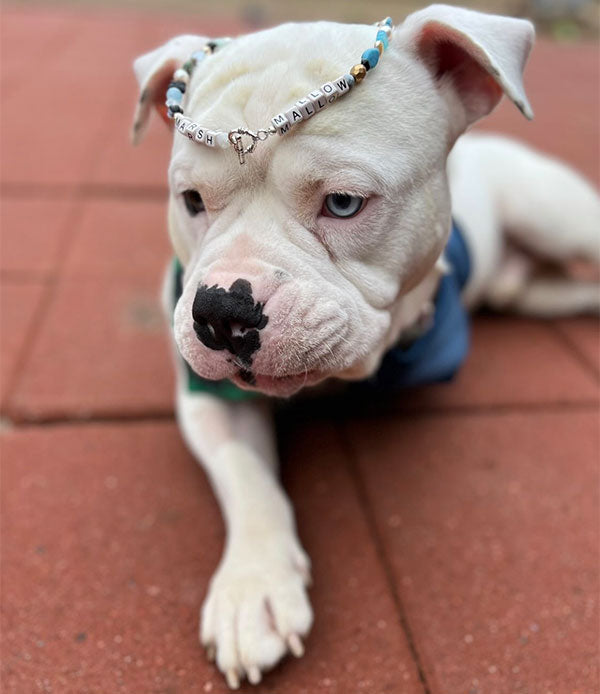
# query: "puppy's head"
(307, 262)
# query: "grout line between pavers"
(363, 498)
(343, 410)
(83, 190)
(491, 410)
(25, 424)
(23, 421)
(26, 276)
(573, 347)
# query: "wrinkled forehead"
(256, 77)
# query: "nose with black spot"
(229, 319)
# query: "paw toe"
(291, 611)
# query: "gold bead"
(379, 46)
(358, 72)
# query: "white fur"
(503, 192)
(340, 293)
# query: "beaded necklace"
(280, 124)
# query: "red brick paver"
(101, 351)
(34, 232)
(454, 540)
(19, 304)
(583, 334)
(513, 361)
(490, 523)
(101, 602)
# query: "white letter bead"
(182, 124)
(293, 115)
(210, 138)
(341, 84)
(317, 99)
(306, 108)
(280, 123)
(284, 128)
(279, 120)
(199, 136)
(190, 129)
(330, 91)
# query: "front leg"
(256, 608)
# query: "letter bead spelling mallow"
(330, 92)
(244, 141)
(294, 115)
(306, 108)
(317, 98)
(280, 123)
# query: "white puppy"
(321, 253)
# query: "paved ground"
(454, 539)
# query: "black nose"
(229, 319)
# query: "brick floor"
(493, 539)
(454, 539)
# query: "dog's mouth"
(282, 386)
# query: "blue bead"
(370, 58)
(198, 56)
(388, 21)
(174, 95)
(350, 80)
(382, 36)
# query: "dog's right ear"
(480, 56)
(154, 71)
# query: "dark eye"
(193, 202)
(342, 205)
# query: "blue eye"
(342, 205)
(193, 202)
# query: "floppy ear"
(154, 71)
(480, 55)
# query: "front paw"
(256, 609)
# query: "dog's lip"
(291, 382)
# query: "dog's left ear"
(154, 71)
(477, 56)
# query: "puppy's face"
(306, 262)
(325, 229)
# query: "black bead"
(175, 109)
(366, 64)
(212, 46)
(177, 85)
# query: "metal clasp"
(235, 137)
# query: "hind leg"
(520, 286)
(554, 298)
